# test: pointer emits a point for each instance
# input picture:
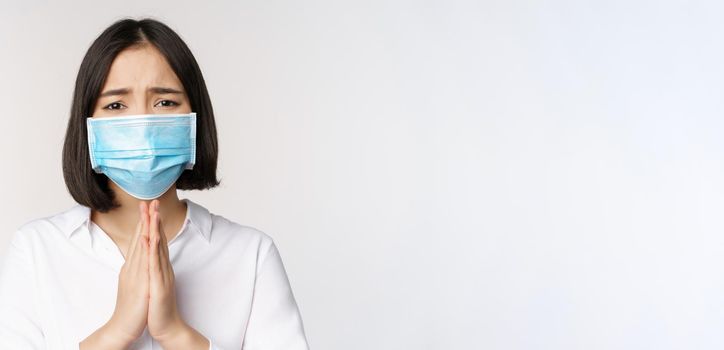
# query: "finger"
(145, 208)
(144, 256)
(161, 236)
(142, 239)
(166, 267)
(164, 239)
(134, 240)
(154, 259)
(134, 243)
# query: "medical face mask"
(143, 154)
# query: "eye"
(166, 103)
(114, 105)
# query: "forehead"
(141, 65)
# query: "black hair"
(90, 188)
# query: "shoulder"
(47, 230)
(222, 231)
(229, 231)
(244, 244)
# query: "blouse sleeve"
(19, 326)
(274, 322)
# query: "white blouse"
(59, 281)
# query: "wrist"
(176, 334)
(109, 337)
(183, 336)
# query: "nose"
(141, 105)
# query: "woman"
(132, 266)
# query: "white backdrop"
(437, 174)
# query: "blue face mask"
(143, 154)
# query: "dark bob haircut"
(85, 185)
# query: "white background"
(436, 174)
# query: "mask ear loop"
(91, 145)
(192, 137)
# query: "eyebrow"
(155, 89)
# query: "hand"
(130, 315)
(146, 294)
(164, 320)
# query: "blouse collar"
(198, 217)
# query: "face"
(141, 81)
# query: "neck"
(120, 223)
